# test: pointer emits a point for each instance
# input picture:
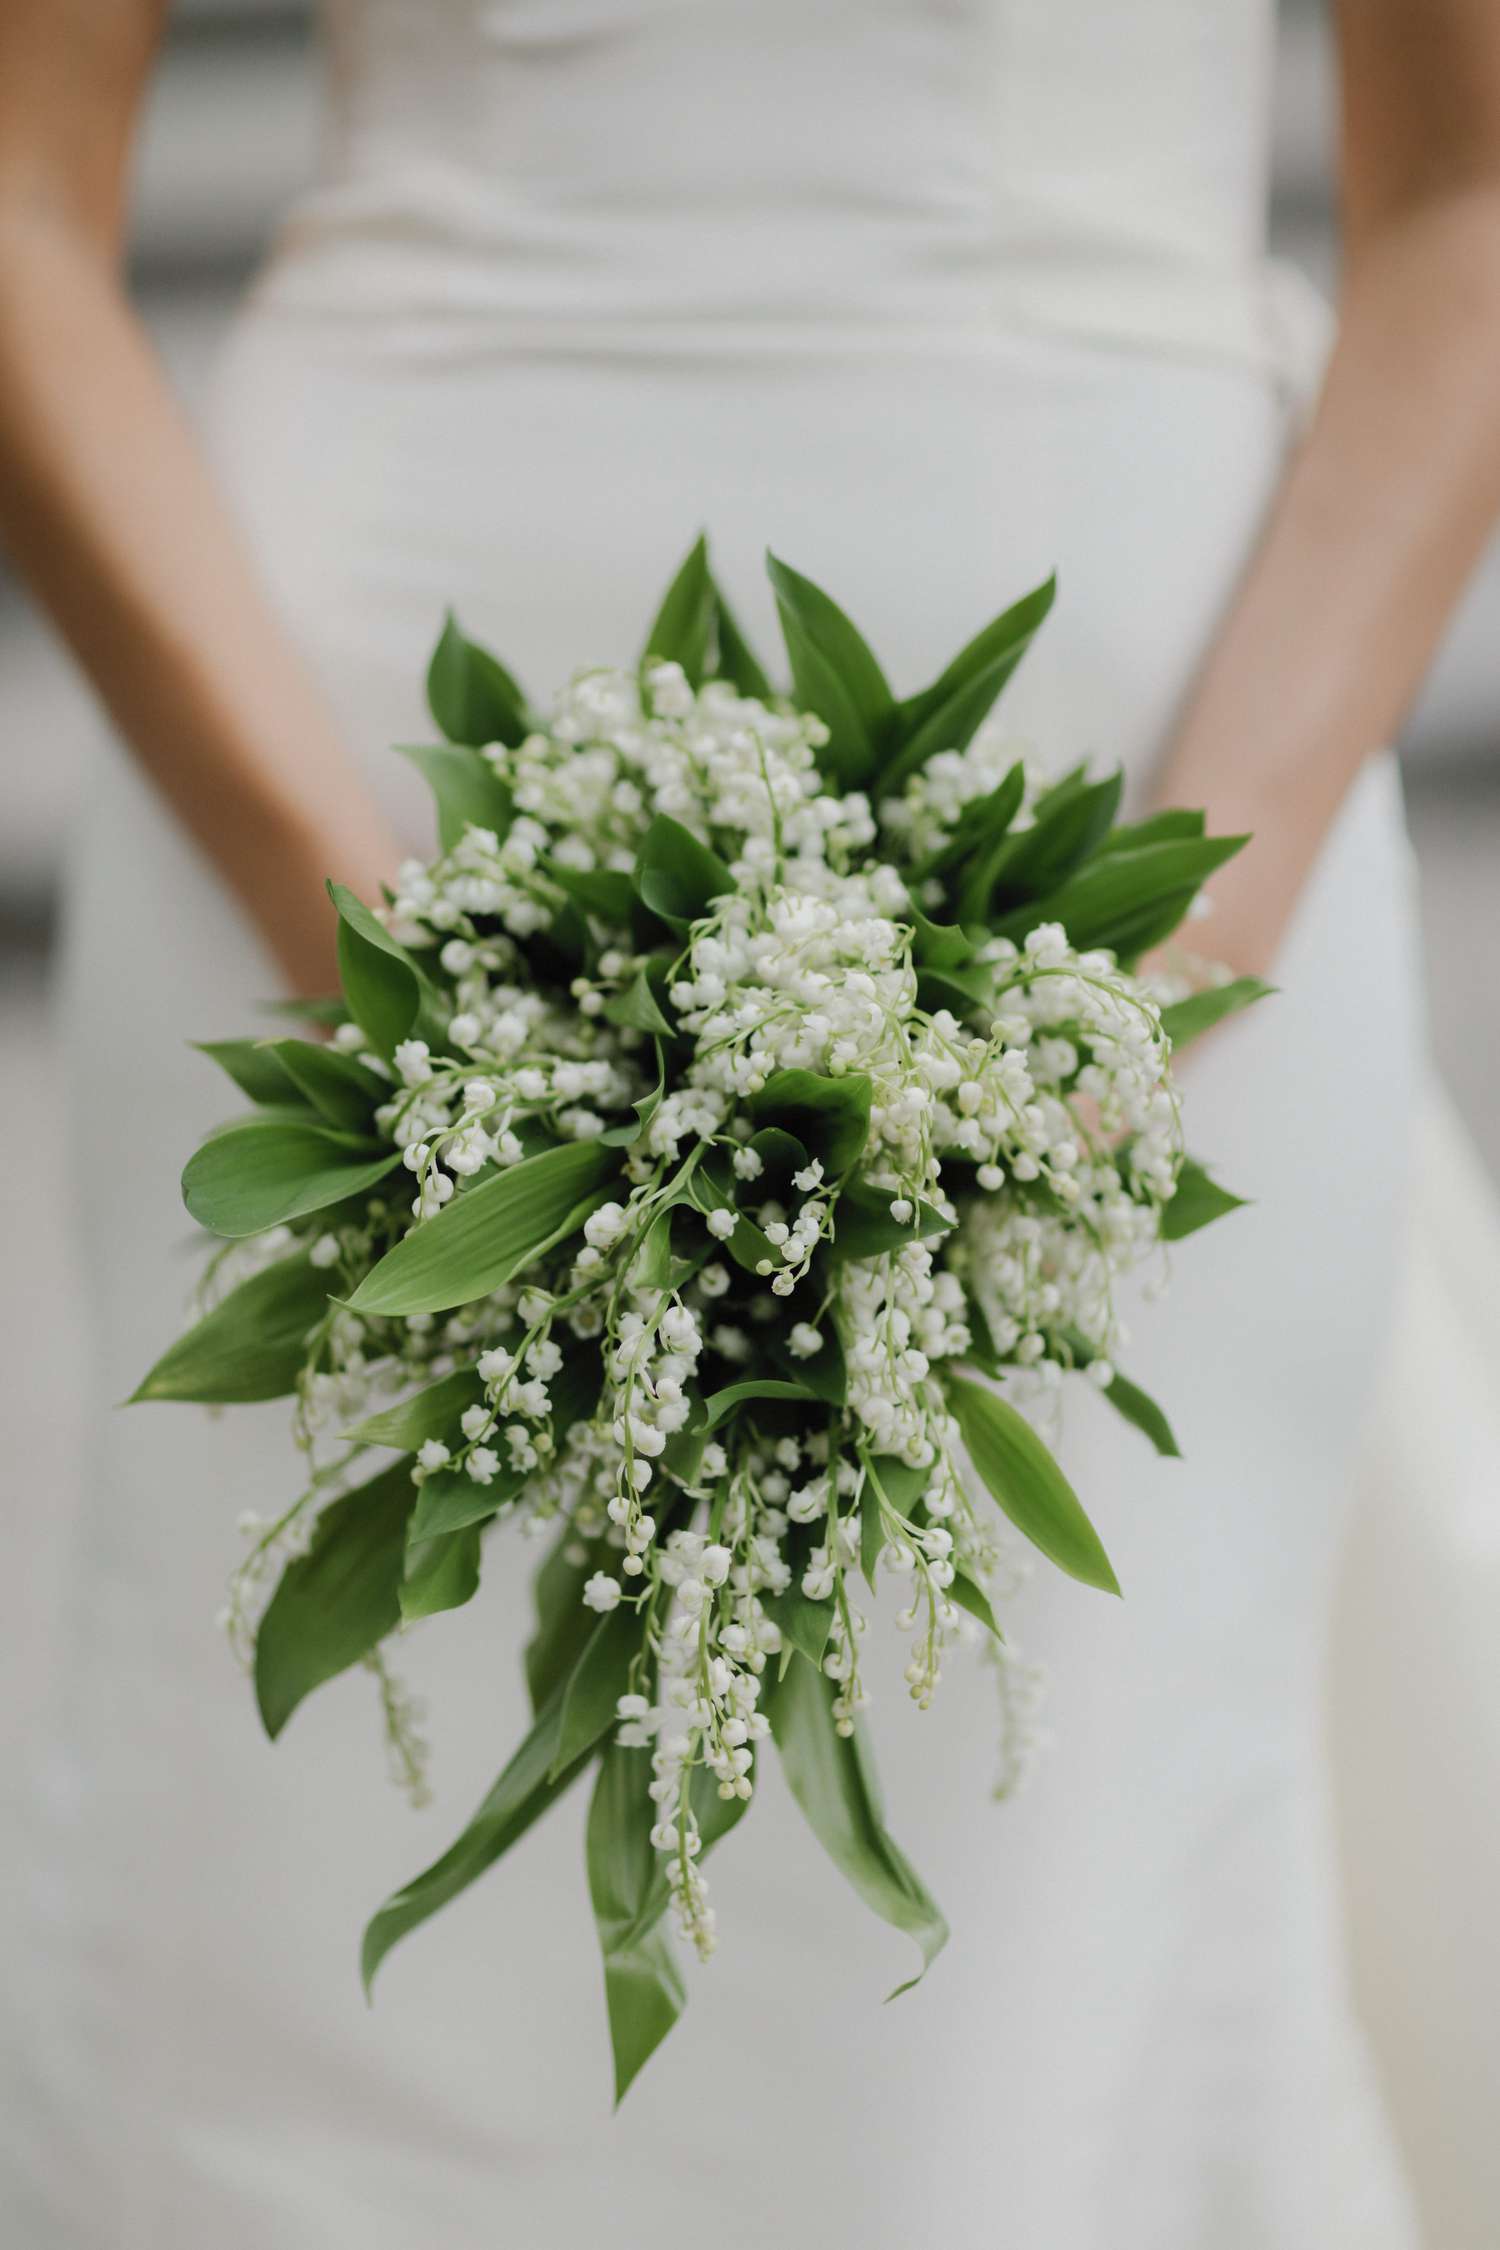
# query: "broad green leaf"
(1020, 1473)
(643, 1984)
(253, 1065)
(433, 1413)
(871, 1534)
(1135, 934)
(1012, 631)
(449, 1501)
(804, 1624)
(1197, 1203)
(864, 1228)
(972, 1597)
(830, 1116)
(1186, 1019)
(251, 1346)
(949, 714)
(938, 945)
(1103, 897)
(833, 673)
(342, 1091)
(721, 1404)
(1139, 1408)
(707, 1188)
(639, 1007)
(564, 1625)
(471, 695)
(677, 876)
(832, 1778)
(683, 631)
(466, 789)
(630, 1894)
(606, 892)
(598, 1680)
(441, 1573)
(523, 1792)
(980, 826)
(388, 994)
(738, 662)
(336, 1602)
(260, 1173)
(1031, 861)
(487, 1235)
(1160, 828)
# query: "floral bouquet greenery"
(722, 1148)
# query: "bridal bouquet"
(723, 1147)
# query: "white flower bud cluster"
(1023, 1136)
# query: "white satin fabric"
(931, 295)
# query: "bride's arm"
(1389, 500)
(110, 515)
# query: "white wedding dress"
(931, 295)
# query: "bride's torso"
(933, 295)
(955, 165)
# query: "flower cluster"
(726, 1137)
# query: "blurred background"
(230, 137)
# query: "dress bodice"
(949, 164)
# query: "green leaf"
(864, 1228)
(261, 1172)
(980, 825)
(639, 1007)
(683, 631)
(1197, 1203)
(1100, 902)
(721, 1404)
(947, 715)
(1161, 828)
(564, 1625)
(871, 1534)
(251, 1346)
(598, 1680)
(471, 695)
(972, 1597)
(253, 1066)
(643, 1984)
(484, 1237)
(605, 892)
(832, 1777)
(738, 662)
(336, 1602)
(433, 1413)
(521, 1795)
(441, 1573)
(389, 996)
(833, 674)
(1031, 861)
(329, 1011)
(1187, 1019)
(342, 1091)
(707, 1189)
(1022, 1476)
(448, 1501)
(1137, 1407)
(466, 789)
(804, 1624)
(830, 1116)
(677, 876)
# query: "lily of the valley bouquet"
(724, 1147)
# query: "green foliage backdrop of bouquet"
(745, 1117)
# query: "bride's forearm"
(109, 514)
(1384, 511)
